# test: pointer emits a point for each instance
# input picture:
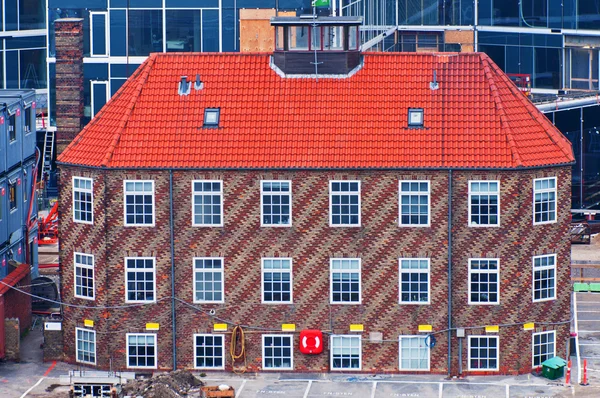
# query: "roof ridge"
(140, 80)
(564, 144)
(487, 65)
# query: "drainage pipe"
(172, 238)
(450, 273)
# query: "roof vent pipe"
(198, 85)
(184, 87)
(434, 85)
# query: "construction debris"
(180, 383)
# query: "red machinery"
(48, 227)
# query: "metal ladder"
(48, 153)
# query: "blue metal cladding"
(118, 33)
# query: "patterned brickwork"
(311, 242)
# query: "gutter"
(568, 104)
(172, 241)
(450, 273)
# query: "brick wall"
(53, 345)
(379, 242)
(69, 80)
(14, 304)
(12, 338)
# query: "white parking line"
(589, 344)
(34, 386)
(307, 389)
(441, 390)
(373, 389)
(241, 388)
(507, 391)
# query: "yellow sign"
(152, 326)
(88, 322)
(220, 327)
(492, 329)
(425, 328)
(358, 327)
(288, 327)
(529, 326)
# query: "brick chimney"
(69, 80)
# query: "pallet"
(214, 392)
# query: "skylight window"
(211, 117)
(415, 117)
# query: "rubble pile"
(180, 383)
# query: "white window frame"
(145, 270)
(542, 191)
(195, 193)
(424, 342)
(359, 272)
(331, 194)
(488, 193)
(264, 193)
(83, 191)
(402, 193)
(77, 356)
(497, 338)
(410, 271)
(93, 84)
(497, 272)
(127, 335)
(262, 279)
(85, 266)
(542, 268)
(337, 336)
(212, 270)
(291, 337)
(222, 337)
(125, 193)
(533, 336)
(106, 34)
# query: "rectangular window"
(86, 346)
(139, 203)
(484, 280)
(140, 283)
(484, 203)
(278, 352)
(344, 203)
(543, 345)
(28, 120)
(83, 199)
(12, 195)
(209, 351)
(12, 128)
(345, 352)
(99, 96)
(207, 206)
(141, 350)
(208, 280)
(98, 34)
(544, 200)
(276, 203)
(277, 280)
(414, 281)
(345, 280)
(414, 203)
(414, 353)
(483, 352)
(84, 276)
(544, 277)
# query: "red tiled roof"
(477, 118)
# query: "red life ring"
(311, 342)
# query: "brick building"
(397, 193)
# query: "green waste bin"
(553, 368)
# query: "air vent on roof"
(184, 86)
(434, 85)
(198, 84)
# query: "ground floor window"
(345, 352)
(209, 352)
(141, 350)
(278, 352)
(543, 345)
(483, 352)
(414, 353)
(86, 346)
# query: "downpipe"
(172, 239)
(449, 273)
